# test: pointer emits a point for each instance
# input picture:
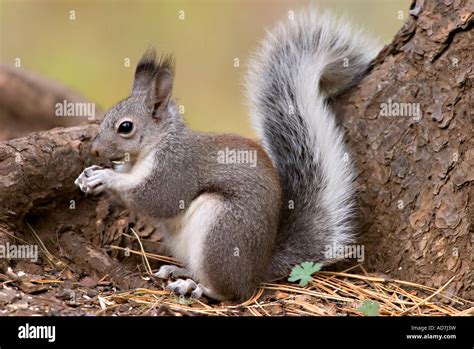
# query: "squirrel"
(234, 224)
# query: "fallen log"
(41, 168)
(28, 100)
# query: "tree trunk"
(416, 169)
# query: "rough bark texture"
(416, 172)
(37, 170)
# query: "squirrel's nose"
(94, 147)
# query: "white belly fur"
(185, 234)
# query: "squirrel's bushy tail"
(302, 63)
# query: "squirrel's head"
(138, 124)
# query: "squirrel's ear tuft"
(161, 87)
(144, 72)
(154, 77)
(166, 62)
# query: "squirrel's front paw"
(94, 179)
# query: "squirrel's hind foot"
(183, 287)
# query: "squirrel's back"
(301, 63)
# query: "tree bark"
(416, 171)
(37, 170)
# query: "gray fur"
(238, 244)
(251, 235)
(298, 67)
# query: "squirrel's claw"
(92, 180)
(198, 292)
(182, 286)
(81, 181)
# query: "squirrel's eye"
(125, 127)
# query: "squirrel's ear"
(160, 91)
(144, 72)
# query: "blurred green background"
(208, 37)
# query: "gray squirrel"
(233, 224)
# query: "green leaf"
(303, 272)
(369, 308)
